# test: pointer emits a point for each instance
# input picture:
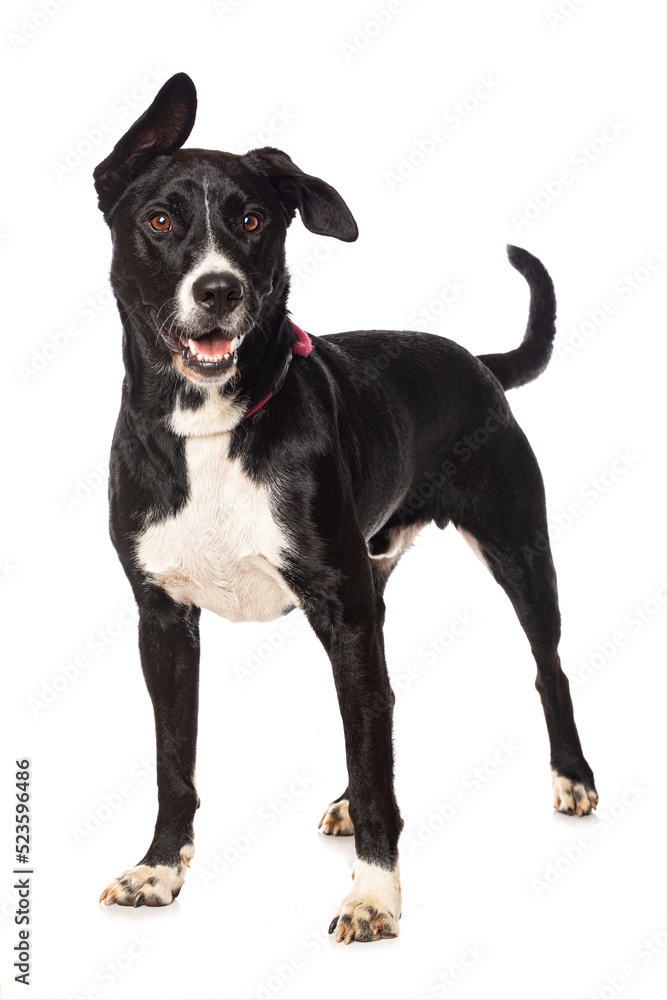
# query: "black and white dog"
(255, 470)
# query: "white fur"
(474, 545)
(378, 884)
(399, 540)
(223, 550)
(375, 896)
(219, 413)
(168, 881)
(210, 262)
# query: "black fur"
(372, 433)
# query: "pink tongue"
(213, 345)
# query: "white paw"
(149, 885)
(336, 820)
(572, 797)
(372, 909)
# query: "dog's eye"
(161, 223)
(250, 223)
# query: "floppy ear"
(163, 128)
(322, 209)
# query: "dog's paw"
(361, 921)
(149, 885)
(336, 820)
(575, 798)
(372, 910)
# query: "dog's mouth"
(208, 353)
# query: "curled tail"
(529, 360)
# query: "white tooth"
(226, 356)
(191, 345)
(232, 346)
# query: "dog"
(256, 469)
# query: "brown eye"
(161, 223)
(250, 223)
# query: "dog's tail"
(529, 360)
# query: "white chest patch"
(223, 550)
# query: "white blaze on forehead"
(210, 261)
(209, 230)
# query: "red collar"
(302, 347)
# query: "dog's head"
(199, 236)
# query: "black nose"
(219, 293)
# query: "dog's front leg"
(350, 628)
(169, 649)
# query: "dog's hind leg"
(509, 533)
(169, 648)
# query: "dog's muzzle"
(216, 295)
(209, 353)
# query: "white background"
(542, 905)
